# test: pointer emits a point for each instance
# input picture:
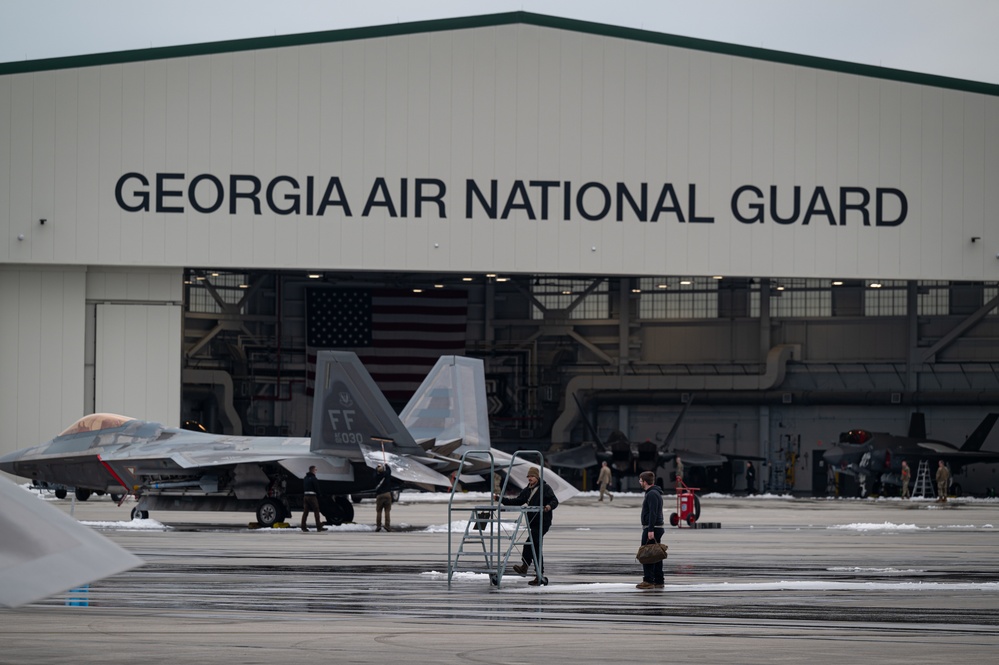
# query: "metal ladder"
(493, 530)
(923, 487)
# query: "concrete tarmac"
(782, 581)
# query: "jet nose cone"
(7, 462)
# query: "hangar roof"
(491, 20)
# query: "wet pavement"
(780, 581)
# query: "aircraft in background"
(354, 429)
(876, 457)
(631, 458)
(44, 551)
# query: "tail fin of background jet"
(977, 438)
(450, 404)
(917, 426)
(350, 411)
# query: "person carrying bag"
(653, 528)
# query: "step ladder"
(493, 531)
(923, 487)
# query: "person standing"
(310, 499)
(679, 471)
(906, 477)
(604, 480)
(538, 523)
(383, 497)
(653, 528)
(750, 478)
(943, 481)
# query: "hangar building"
(626, 218)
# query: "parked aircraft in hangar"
(876, 457)
(631, 458)
(354, 429)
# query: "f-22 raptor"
(876, 457)
(354, 429)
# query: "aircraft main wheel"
(397, 493)
(140, 514)
(82, 494)
(116, 497)
(269, 512)
(356, 498)
(346, 508)
(61, 493)
(674, 519)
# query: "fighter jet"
(44, 551)
(354, 429)
(630, 457)
(876, 457)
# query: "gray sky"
(954, 38)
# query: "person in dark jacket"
(538, 523)
(750, 478)
(653, 528)
(383, 497)
(310, 499)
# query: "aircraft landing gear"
(140, 514)
(82, 494)
(270, 512)
(338, 511)
(61, 493)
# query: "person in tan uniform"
(604, 480)
(943, 481)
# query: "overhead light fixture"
(438, 286)
(837, 282)
(466, 279)
(875, 285)
(567, 293)
(502, 279)
(780, 287)
(685, 282)
(314, 275)
(244, 286)
(717, 277)
(636, 290)
(490, 275)
(417, 290)
(215, 274)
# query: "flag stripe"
(397, 334)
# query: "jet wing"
(563, 490)
(964, 457)
(44, 551)
(403, 468)
(582, 456)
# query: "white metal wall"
(137, 342)
(41, 352)
(508, 103)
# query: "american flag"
(396, 333)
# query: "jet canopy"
(96, 422)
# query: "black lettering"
(756, 207)
(404, 197)
(641, 210)
(844, 205)
(334, 186)
(386, 201)
(903, 206)
(143, 196)
(488, 206)
(252, 195)
(582, 194)
(518, 190)
(773, 206)
(819, 196)
(162, 193)
(295, 198)
(310, 191)
(193, 197)
(437, 198)
(545, 185)
(694, 219)
(668, 193)
(567, 201)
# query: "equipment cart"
(688, 506)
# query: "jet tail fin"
(917, 426)
(450, 404)
(349, 410)
(977, 438)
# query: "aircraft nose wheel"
(140, 514)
